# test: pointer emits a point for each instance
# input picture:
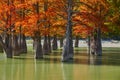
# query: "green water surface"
(83, 67)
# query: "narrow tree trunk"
(88, 42)
(54, 43)
(49, 44)
(92, 44)
(61, 42)
(15, 46)
(1, 49)
(96, 46)
(23, 44)
(7, 46)
(98, 43)
(37, 42)
(76, 41)
(67, 53)
(38, 48)
(45, 46)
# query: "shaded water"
(51, 68)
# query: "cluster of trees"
(56, 19)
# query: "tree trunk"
(67, 53)
(92, 44)
(88, 42)
(98, 43)
(38, 48)
(1, 49)
(15, 46)
(23, 44)
(54, 43)
(7, 46)
(96, 46)
(61, 42)
(49, 44)
(76, 41)
(45, 46)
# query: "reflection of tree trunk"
(67, 70)
(94, 60)
(76, 41)
(40, 71)
(54, 43)
(61, 42)
(67, 53)
(9, 69)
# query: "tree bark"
(88, 42)
(7, 46)
(76, 41)
(49, 44)
(15, 46)
(98, 42)
(61, 42)
(67, 53)
(92, 44)
(1, 49)
(23, 44)
(96, 45)
(54, 43)
(45, 46)
(38, 48)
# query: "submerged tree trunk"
(38, 48)
(76, 41)
(67, 53)
(6, 45)
(15, 45)
(92, 44)
(23, 44)
(45, 46)
(96, 45)
(61, 42)
(1, 49)
(54, 43)
(98, 42)
(88, 42)
(49, 44)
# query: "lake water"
(83, 67)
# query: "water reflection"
(95, 60)
(67, 70)
(51, 68)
